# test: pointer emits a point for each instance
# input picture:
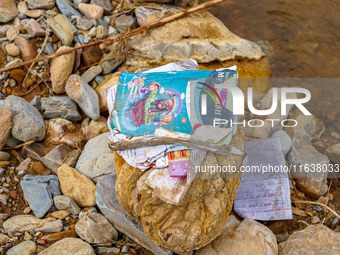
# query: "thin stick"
(121, 36)
(18, 146)
(320, 204)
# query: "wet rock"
(61, 131)
(187, 38)
(109, 205)
(91, 73)
(124, 22)
(38, 196)
(110, 65)
(247, 237)
(97, 158)
(60, 214)
(93, 128)
(24, 248)
(77, 186)
(28, 50)
(94, 228)
(69, 246)
(41, 4)
(28, 125)
(303, 156)
(34, 13)
(61, 70)
(58, 107)
(91, 55)
(21, 223)
(105, 4)
(83, 24)
(62, 28)
(33, 28)
(102, 88)
(66, 9)
(8, 10)
(333, 153)
(91, 11)
(316, 239)
(5, 126)
(65, 202)
(87, 99)
(13, 50)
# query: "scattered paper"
(264, 195)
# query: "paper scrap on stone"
(264, 196)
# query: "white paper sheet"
(266, 195)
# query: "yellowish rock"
(69, 246)
(60, 214)
(61, 70)
(13, 50)
(77, 186)
(5, 126)
(91, 11)
(3, 239)
(101, 90)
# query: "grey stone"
(2, 104)
(101, 250)
(41, 4)
(110, 65)
(105, 4)
(303, 156)
(97, 158)
(22, 16)
(28, 125)
(99, 79)
(333, 153)
(51, 180)
(49, 49)
(65, 202)
(38, 196)
(103, 23)
(79, 39)
(91, 73)
(59, 107)
(83, 24)
(285, 140)
(108, 204)
(66, 9)
(123, 22)
(11, 141)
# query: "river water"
(302, 37)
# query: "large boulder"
(197, 218)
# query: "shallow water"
(302, 36)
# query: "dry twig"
(320, 204)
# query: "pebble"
(83, 24)
(27, 48)
(315, 220)
(6, 119)
(34, 13)
(8, 10)
(11, 33)
(285, 140)
(81, 92)
(49, 49)
(22, 7)
(124, 22)
(91, 11)
(61, 214)
(4, 156)
(105, 4)
(101, 32)
(25, 248)
(3, 199)
(3, 239)
(62, 28)
(28, 124)
(66, 9)
(34, 28)
(13, 50)
(41, 4)
(65, 202)
(69, 246)
(91, 73)
(27, 210)
(99, 79)
(105, 250)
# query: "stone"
(285, 140)
(59, 107)
(61, 131)
(258, 132)
(93, 128)
(315, 239)
(105, 4)
(87, 99)
(97, 158)
(41, 4)
(101, 32)
(191, 40)
(108, 204)
(303, 156)
(91, 55)
(197, 218)
(8, 10)
(77, 186)
(69, 246)
(66, 9)
(84, 24)
(124, 22)
(113, 250)
(34, 13)
(311, 125)
(28, 50)
(51, 180)
(65, 202)
(11, 33)
(21, 223)
(91, 11)
(59, 236)
(3, 199)
(3, 239)
(91, 73)
(61, 70)
(24, 248)
(247, 237)
(94, 228)
(333, 153)
(5, 126)
(28, 125)
(22, 7)
(60, 214)
(110, 65)
(4, 156)
(18, 75)
(62, 28)
(34, 28)
(3, 216)
(102, 88)
(38, 196)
